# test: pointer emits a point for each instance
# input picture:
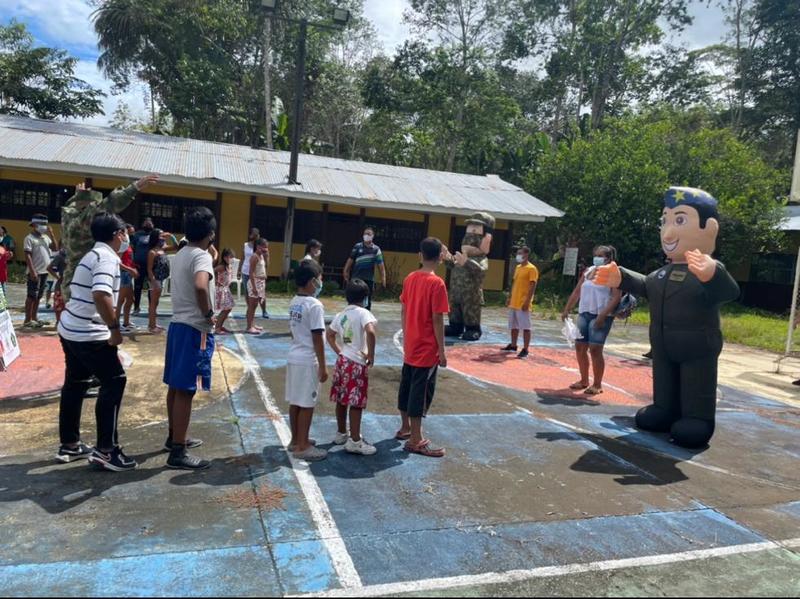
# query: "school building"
(42, 161)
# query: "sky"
(66, 24)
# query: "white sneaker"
(360, 447)
(341, 438)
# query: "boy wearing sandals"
(355, 327)
(305, 368)
(423, 306)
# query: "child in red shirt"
(423, 306)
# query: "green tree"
(40, 82)
(610, 184)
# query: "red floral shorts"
(350, 383)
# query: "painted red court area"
(39, 369)
(549, 372)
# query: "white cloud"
(387, 16)
(58, 22)
(133, 97)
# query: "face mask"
(520, 259)
(598, 261)
(316, 253)
(367, 238)
(42, 229)
(317, 287)
(147, 228)
(123, 247)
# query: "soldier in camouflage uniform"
(466, 280)
(77, 215)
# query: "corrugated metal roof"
(791, 221)
(90, 150)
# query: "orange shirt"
(424, 294)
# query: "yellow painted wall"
(233, 226)
(235, 216)
(417, 217)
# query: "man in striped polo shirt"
(89, 332)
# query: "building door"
(343, 233)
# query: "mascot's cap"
(481, 218)
(698, 199)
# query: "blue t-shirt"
(365, 258)
(140, 242)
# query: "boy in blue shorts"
(190, 341)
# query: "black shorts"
(417, 386)
(36, 287)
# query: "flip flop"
(400, 436)
(593, 391)
(424, 448)
(578, 386)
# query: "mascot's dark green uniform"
(685, 335)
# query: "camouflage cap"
(481, 218)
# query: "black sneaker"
(179, 459)
(509, 347)
(115, 460)
(523, 354)
(190, 444)
(66, 454)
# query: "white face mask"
(599, 261)
(42, 229)
(123, 247)
(317, 287)
(520, 259)
(367, 238)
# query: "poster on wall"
(570, 261)
(9, 346)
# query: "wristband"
(209, 314)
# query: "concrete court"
(542, 492)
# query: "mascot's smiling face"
(689, 221)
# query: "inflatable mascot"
(684, 297)
(467, 271)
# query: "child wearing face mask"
(305, 368)
(355, 328)
(256, 284)
(526, 277)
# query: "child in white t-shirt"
(355, 327)
(305, 369)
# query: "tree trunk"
(268, 82)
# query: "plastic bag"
(570, 331)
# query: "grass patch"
(746, 326)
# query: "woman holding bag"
(596, 307)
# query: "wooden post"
(324, 227)
(252, 221)
(288, 234)
(362, 220)
(507, 255)
(218, 217)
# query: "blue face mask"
(599, 261)
(317, 287)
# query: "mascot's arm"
(633, 282)
(722, 288)
(477, 267)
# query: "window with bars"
(167, 211)
(397, 235)
(20, 200)
(270, 222)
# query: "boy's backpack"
(626, 306)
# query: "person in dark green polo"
(684, 297)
